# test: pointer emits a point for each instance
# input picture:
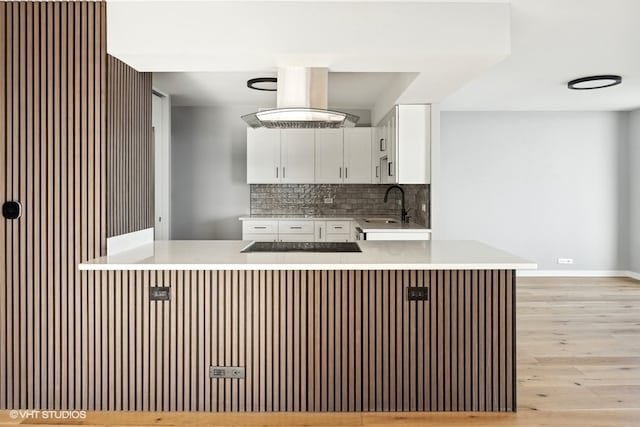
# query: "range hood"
(302, 102)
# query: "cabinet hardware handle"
(260, 227)
(277, 172)
(338, 227)
(320, 232)
(382, 147)
(390, 174)
(346, 173)
(377, 171)
(339, 172)
(295, 227)
(284, 172)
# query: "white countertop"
(375, 255)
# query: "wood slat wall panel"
(315, 341)
(219, 318)
(130, 181)
(52, 125)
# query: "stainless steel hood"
(302, 103)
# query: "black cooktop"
(302, 247)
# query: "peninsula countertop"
(375, 255)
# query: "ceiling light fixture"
(251, 83)
(594, 82)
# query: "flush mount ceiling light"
(252, 84)
(594, 82)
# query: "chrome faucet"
(403, 213)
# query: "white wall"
(365, 115)
(209, 190)
(161, 122)
(544, 185)
(634, 192)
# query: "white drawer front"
(296, 237)
(338, 227)
(258, 226)
(295, 227)
(338, 238)
(258, 237)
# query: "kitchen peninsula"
(399, 326)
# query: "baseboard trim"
(577, 273)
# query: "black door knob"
(11, 210)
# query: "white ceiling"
(446, 51)
(552, 42)
(346, 90)
(445, 42)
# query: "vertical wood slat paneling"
(51, 125)
(130, 181)
(286, 363)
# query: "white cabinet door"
(321, 231)
(376, 154)
(413, 153)
(389, 174)
(392, 172)
(297, 150)
(329, 156)
(357, 155)
(263, 156)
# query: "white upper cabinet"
(413, 147)
(297, 150)
(329, 156)
(376, 154)
(357, 155)
(387, 164)
(302, 156)
(406, 135)
(263, 156)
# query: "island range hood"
(302, 102)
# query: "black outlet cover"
(159, 293)
(417, 293)
(11, 210)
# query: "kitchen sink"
(381, 221)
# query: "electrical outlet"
(565, 260)
(417, 293)
(424, 207)
(226, 372)
(159, 293)
(328, 200)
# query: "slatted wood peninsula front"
(311, 338)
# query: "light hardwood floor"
(578, 365)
